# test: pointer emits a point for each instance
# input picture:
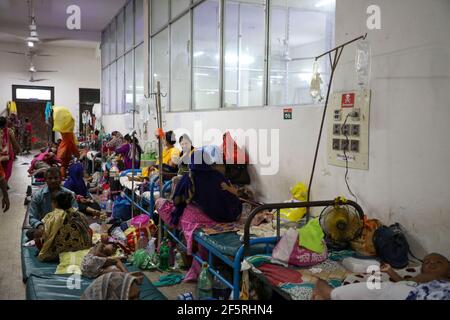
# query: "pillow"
(70, 262)
(407, 273)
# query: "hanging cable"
(345, 133)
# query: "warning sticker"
(348, 100)
(350, 158)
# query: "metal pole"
(160, 147)
(334, 60)
(133, 150)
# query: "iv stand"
(160, 149)
(159, 123)
(334, 60)
(133, 155)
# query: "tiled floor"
(11, 285)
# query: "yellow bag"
(299, 194)
(62, 120)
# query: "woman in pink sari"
(9, 148)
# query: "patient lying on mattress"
(99, 261)
(435, 274)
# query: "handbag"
(364, 243)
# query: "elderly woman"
(114, 286)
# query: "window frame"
(330, 38)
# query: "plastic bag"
(363, 63)
(119, 234)
(122, 209)
(62, 120)
(299, 194)
(316, 81)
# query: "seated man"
(41, 203)
(434, 267)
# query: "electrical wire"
(346, 159)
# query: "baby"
(434, 267)
(99, 261)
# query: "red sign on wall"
(348, 100)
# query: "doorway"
(88, 97)
(31, 102)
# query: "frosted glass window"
(139, 21)
(120, 85)
(34, 94)
(139, 74)
(112, 39)
(244, 53)
(106, 47)
(206, 48)
(159, 13)
(160, 63)
(299, 31)
(103, 49)
(113, 88)
(178, 6)
(129, 86)
(129, 26)
(120, 33)
(105, 79)
(180, 65)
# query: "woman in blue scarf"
(76, 183)
(207, 188)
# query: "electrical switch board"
(348, 118)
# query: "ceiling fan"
(33, 38)
(31, 79)
(33, 69)
(29, 53)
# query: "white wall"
(409, 175)
(77, 68)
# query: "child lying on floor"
(434, 267)
(99, 261)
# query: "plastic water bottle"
(220, 291)
(164, 256)
(204, 284)
(143, 240)
(151, 246)
(179, 262)
(109, 207)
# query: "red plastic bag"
(133, 234)
(232, 153)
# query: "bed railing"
(291, 205)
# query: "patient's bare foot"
(322, 290)
(139, 276)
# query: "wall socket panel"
(353, 137)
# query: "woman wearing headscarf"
(76, 184)
(65, 229)
(67, 150)
(113, 286)
(126, 150)
(116, 141)
(207, 188)
(9, 147)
